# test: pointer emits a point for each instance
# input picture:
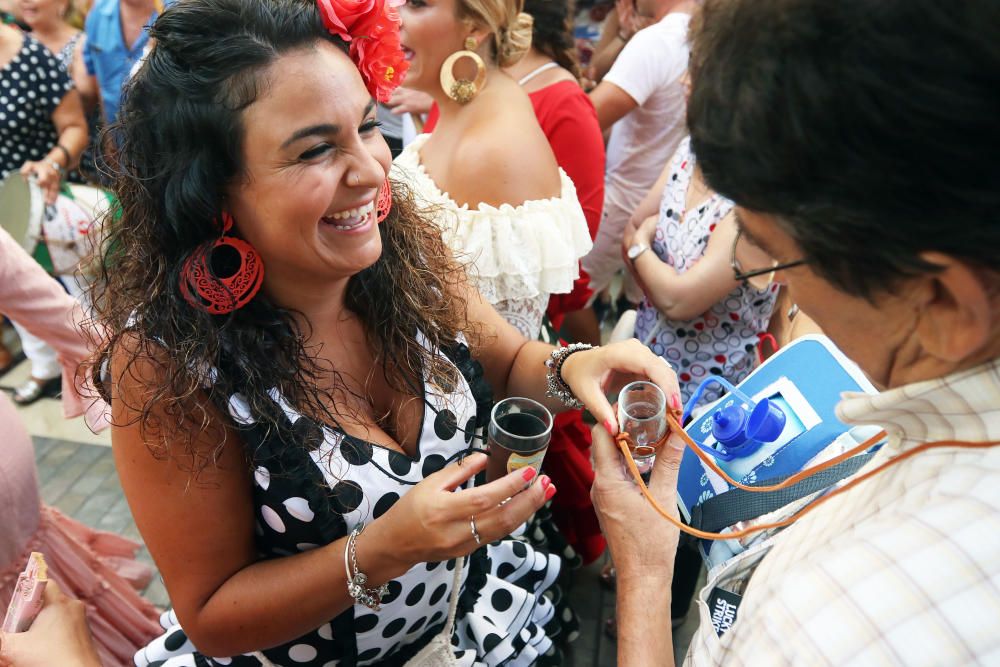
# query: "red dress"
(569, 121)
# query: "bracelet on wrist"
(556, 387)
(357, 580)
(65, 152)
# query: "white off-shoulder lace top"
(516, 255)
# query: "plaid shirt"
(903, 569)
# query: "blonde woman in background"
(50, 23)
(501, 200)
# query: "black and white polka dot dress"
(32, 85)
(506, 614)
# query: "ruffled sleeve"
(512, 252)
(36, 301)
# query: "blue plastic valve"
(729, 426)
(740, 430)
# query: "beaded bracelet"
(556, 387)
(356, 580)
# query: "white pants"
(44, 360)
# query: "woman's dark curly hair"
(552, 32)
(180, 138)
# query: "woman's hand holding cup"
(439, 521)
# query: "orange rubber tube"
(622, 440)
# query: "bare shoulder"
(173, 418)
(504, 158)
(136, 366)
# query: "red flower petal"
(372, 28)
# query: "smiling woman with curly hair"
(292, 356)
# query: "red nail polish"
(544, 481)
(550, 491)
(608, 427)
(675, 402)
(528, 474)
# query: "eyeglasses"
(757, 278)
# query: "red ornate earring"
(384, 203)
(221, 276)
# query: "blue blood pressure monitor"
(778, 421)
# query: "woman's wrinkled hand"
(432, 522)
(632, 226)
(646, 231)
(641, 541)
(46, 176)
(592, 374)
(58, 636)
(638, 232)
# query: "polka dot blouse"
(307, 497)
(31, 87)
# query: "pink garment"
(34, 300)
(96, 567)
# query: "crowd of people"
(336, 233)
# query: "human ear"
(477, 33)
(958, 316)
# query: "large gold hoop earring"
(463, 91)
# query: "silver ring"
(475, 533)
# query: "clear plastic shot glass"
(642, 413)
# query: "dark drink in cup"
(519, 434)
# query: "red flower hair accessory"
(371, 27)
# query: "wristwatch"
(636, 250)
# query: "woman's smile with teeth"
(350, 218)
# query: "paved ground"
(80, 480)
